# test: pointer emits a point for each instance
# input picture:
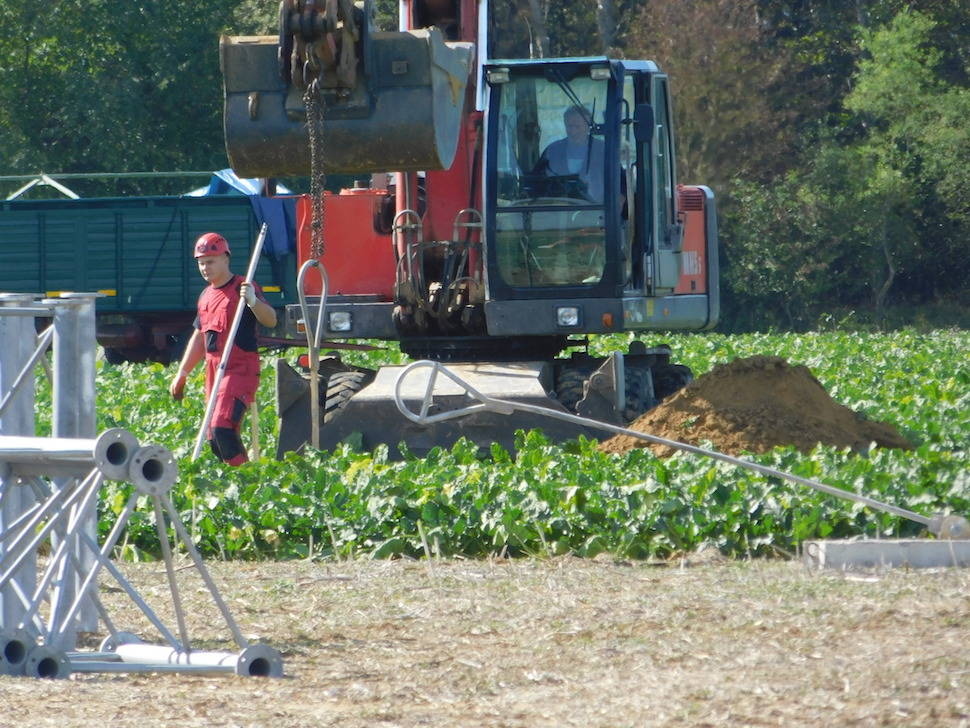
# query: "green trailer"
(137, 253)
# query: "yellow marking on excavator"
(456, 85)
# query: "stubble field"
(552, 642)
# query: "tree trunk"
(606, 22)
(880, 301)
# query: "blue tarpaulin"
(279, 213)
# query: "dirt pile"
(753, 405)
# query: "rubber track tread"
(341, 387)
(569, 387)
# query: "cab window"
(550, 227)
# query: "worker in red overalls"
(216, 310)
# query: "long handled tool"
(313, 334)
(945, 526)
(254, 451)
(220, 372)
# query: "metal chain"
(313, 100)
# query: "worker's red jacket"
(216, 309)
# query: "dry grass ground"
(560, 642)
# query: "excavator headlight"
(567, 316)
(340, 321)
(498, 75)
(600, 73)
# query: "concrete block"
(884, 554)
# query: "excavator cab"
(586, 227)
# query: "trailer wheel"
(113, 356)
(341, 386)
(175, 346)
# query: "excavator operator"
(579, 154)
(216, 308)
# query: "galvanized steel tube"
(15, 645)
(111, 452)
(75, 349)
(153, 470)
(17, 335)
(47, 662)
(253, 661)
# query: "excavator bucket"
(401, 110)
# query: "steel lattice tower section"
(49, 489)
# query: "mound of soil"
(753, 405)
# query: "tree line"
(835, 134)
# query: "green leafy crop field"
(571, 498)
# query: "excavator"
(505, 210)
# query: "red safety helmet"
(211, 244)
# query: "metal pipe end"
(15, 645)
(953, 528)
(46, 662)
(259, 661)
(113, 451)
(152, 470)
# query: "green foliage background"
(571, 498)
(835, 135)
